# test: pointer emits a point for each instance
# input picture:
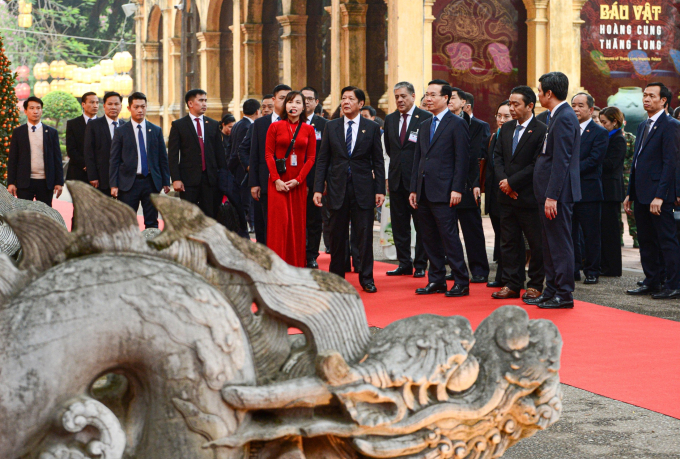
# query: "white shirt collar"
(584, 124)
(526, 123)
(109, 121)
(656, 116)
(249, 119)
(442, 114)
(356, 120)
(88, 118)
(193, 118)
(135, 124)
(275, 117)
(37, 126)
(410, 112)
(552, 112)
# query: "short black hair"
(112, 94)
(557, 82)
(528, 94)
(33, 99)
(136, 96)
(370, 109)
(589, 99)
(460, 93)
(193, 93)
(470, 99)
(84, 97)
(281, 87)
(318, 109)
(676, 113)
(228, 118)
(309, 88)
(447, 90)
(597, 109)
(505, 102)
(359, 93)
(663, 91)
(268, 96)
(251, 106)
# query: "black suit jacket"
(653, 173)
(255, 142)
(366, 162)
(401, 156)
(19, 161)
(184, 151)
(97, 150)
(479, 143)
(491, 184)
(518, 168)
(442, 165)
(594, 141)
(124, 157)
(319, 125)
(75, 142)
(543, 117)
(556, 173)
(612, 168)
(234, 163)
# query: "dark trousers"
(401, 213)
(325, 223)
(141, 192)
(587, 215)
(37, 189)
(558, 251)
(260, 211)
(105, 191)
(475, 245)
(362, 226)
(514, 222)
(657, 234)
(314, 224)
(439, 227)
(497, 255)
(204, 196)
(610, 242)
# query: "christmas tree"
(9, 112)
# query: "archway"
(271, 45)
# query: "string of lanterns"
(25, 18)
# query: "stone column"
(140, 32)
(560, 39)
(209, 51)
(537, 41)
(150, 84)
(428, 20)
(167, 16)
(576, 85)
(235, 104)
(294, 50)
(333, 99)
(172, 79)
(353, 44)
(252, 74)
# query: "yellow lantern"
(96, 73)
(53, 85)
(107, 67)
(37, 71)
(53, 69)
(45, 70)
(25, 8)
(108, 83)
(97, 89)
(61, 69)
(126, 84)
(38, 89)
(122, 62)
(67, 86)
(75, 89)
(25, 21)
(86, 76)
(78, 75)
(42, 88)
(124, 112)
(68, 71)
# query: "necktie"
(200, 141)
(515, 138)
(142, 151)
(33, 128)
(433, 127)
(348, 142)
(115, 124)
(402, 134)
(646, 133)
(547, 120)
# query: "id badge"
(318, 135)
(545, 144)
(413, 137)
(293, 160)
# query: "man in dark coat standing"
(75, 137)
(97, 147)
(401, 136)
(196, 155)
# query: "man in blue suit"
(587, 211)
(652, 187)
(139, 161)
(442, 157)
(557, 186)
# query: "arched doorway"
(226, 51)
(193, 64)
(272, 46)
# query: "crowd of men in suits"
(542, 176)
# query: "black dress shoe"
(641, 283)
(556, 303)
(431, 288)
(401, 271)
(479, 279)
(577, 276)
(458, 290)
(312, 264)
(449, 276)
(369, 288)
(419, 273)
(666, 294)
(590, 280)
(495, 284)
(643, 290)
(536, 301)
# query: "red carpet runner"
(621, 355)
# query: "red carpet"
(621, 355)
(66, 211)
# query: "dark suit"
(19, 165)
(442, 167)
(468, 212)
(588, 211)
(653, 175)
(613, 194)
(520, 215)
(543, 116)
(75, 140)
(186, 162)
(556, 176)
(352, 183)
(134, 188)
(97, 150)
(399, 178)
(240, 189)
(254, 142)
(314, 217)
(491, 206)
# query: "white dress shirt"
(139, 156)
(110, 122)
(35, 139)
(408, 120)
(355, 129)
(275, 117)
(552, 112)
(439, 118)
(193, 121)
(584, 124)
(524, 127)
(654, 118)
(87, 120)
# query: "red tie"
(200, 140)
(402, 134)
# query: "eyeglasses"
(309, 99)
(503, 117)
(431, 95)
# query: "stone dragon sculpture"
(114, 346)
